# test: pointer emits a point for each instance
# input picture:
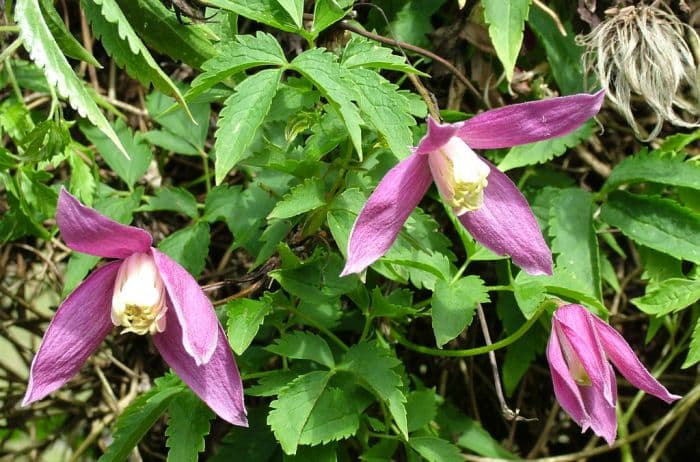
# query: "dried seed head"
(645, 50)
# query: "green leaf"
(506, 23)
(192, 128)
(303, 345)
(176, 199)
(328, 12)
(268, 12)
(123, 44)
(375, 367)
(412, 23)
(435, 449)
(387, 109)
(163, 32)
(304, 197)
(255, 443)
(239, 120)
(694, 350)
(333, 418)
(574, 238)
(245, 316)
(661, 224)
(139, 416)
(82, 183)
(244, 52)
(188, 424)
(655, 167)
(128, 170)
(453, 306)
(669, 296)
(322, 69)
(421, 408)
(189, 247)
(295, 9)
(46, 54)
(292, 408)
(544, 151)
(165, 139)
(361, 52)
(563, 54)
(529, 292)
(70, 46)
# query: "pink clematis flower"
(145, 292)
(580, 350)
(488, 204)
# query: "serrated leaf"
(70, 46)
(189, 247)
(574, 238)
(245, 317)
(235, 56)
(163, 32)
(327, 12)
(176, 199)
(661, 224)
(544, 151)
(694, 350)
(360, 52)
(128, 170)
(139, 416)
(293, 406)
(453, 306)
(669, 296)
(188, 424)
(192, 128)
(387, 109)
(303, 345)
(435, 449)
(82, 183)
(268, 12)
(421, 408)
(506, 24)
(239, 120)
(374, 366)
(655, 167)
(295, 9)
(46, 54)
(126, 48)
(412, 23)
(323, 70)
(307, 196)
(332, 419)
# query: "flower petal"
(438, 135)
(576, 324)
(621, 355)
(76, 330)
(195, 313)
(86, 230)
(505, 224)
(217, 382)
(603, 420)
(385, 212)
(565, 388)
(528, 122)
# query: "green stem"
(320, 328)
(258, 375)
(471, 351)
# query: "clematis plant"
(580, 350)
(145, 292)
(486, 201)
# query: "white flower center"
(578, 373)
(138, 302)
(460, 175)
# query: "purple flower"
(580, 350)
(144, 291)
(488, 204)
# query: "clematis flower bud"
(460, 175)
(138, 302)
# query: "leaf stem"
(320, 328)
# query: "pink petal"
(195, 313)
(621, 355)
(438, 135)
(576, 324)
(217, 382)
(565, 388)
(385, 212)
(86, 230)
(505, 224)
(76, 330)
(603, 420)
(528, 122)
